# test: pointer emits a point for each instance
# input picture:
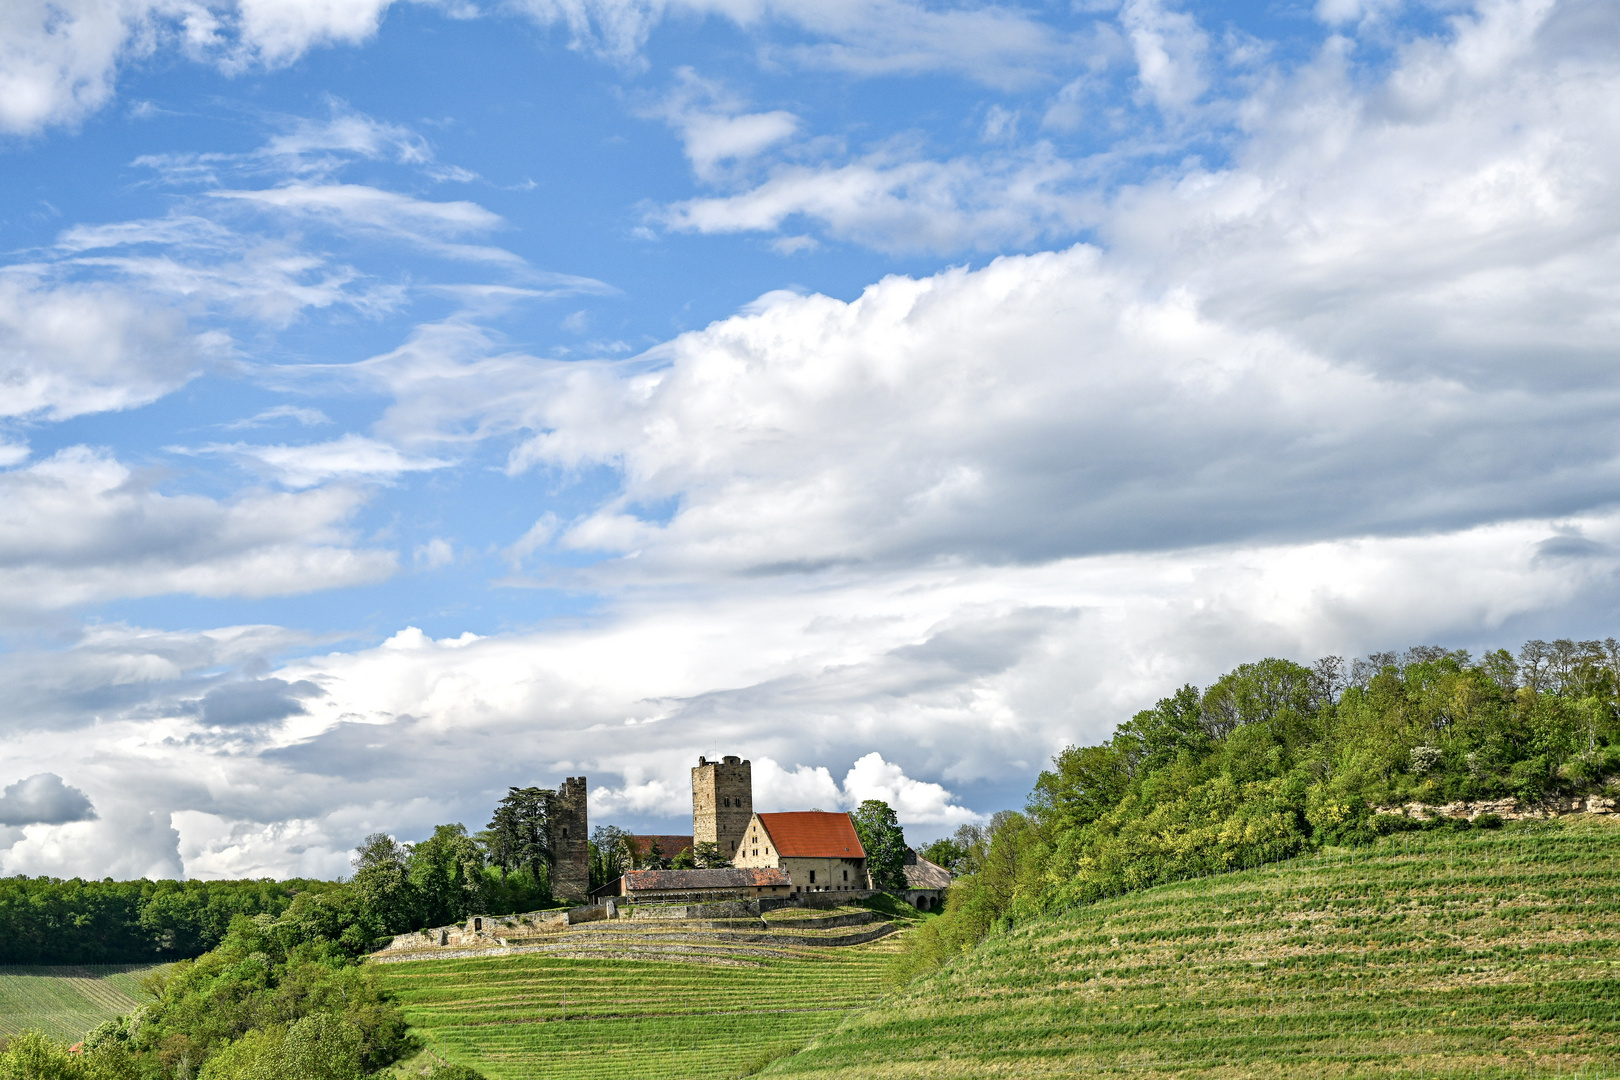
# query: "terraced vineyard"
(714, 1006)
(1437, 955)
(66, 1002)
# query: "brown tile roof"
(699, 880)
(923, 874)
(668, 846)
(813, 834)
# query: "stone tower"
(569, 836)
(722, 802)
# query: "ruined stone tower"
(569, 837)
(722, 802)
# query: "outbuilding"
(926, 882)
(694, 886)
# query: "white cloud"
(279, 31)
(308, 417)
(358, 207)
(1170, 48)
(915, 802)
(57, 58)
(806, 787)
(128, 842)
(351, 457)
(43, 799)
(913, 686)
(713, 127)
(435, 553)
(67, 350)
(897, 202)
(80, 527)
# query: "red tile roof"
(813, 834)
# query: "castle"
(778, 854)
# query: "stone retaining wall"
(1508, 809)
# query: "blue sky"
(403, 400)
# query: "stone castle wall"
(722, 802)
(569, 836)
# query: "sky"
(405, 399)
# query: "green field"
(1437, 955)
(726, 1013)
(66, 1002)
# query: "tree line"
(1277, 758)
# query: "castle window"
(727, 802)
(565, 834)
(846, 875)
(812, 877)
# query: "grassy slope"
(532, 1017)
(1484, 954)
(66, 1002)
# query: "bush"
(454, 1072)
(1488, 821)
(1385, 824)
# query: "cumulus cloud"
(130, 842)
(44, 799)
(941, 690)
(67, 350)
(80, 527)
(915, 802)
(59, 59)
(1393, 314)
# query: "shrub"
(1488, 820)
(1385, 824)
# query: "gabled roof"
(698, 880)
(813, 834)
(922, 874)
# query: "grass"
(532, 1016)
(1445, 956)
(66, 1002)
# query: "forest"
(1276, 759)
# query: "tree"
(708, 855)
(944, 852)
(683, 860)
(885, 844)
(610, 854)
(382, 883)
(518, 836)
(446, 871)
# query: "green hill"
(647, 999)
(66, 1002)
(1434, 954)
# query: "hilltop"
(1440, 954)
